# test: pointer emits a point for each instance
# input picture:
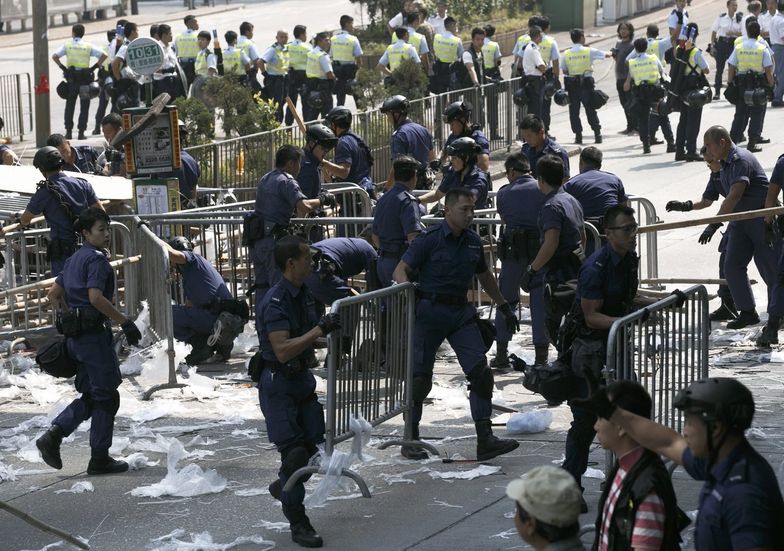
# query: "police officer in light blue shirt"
(288, 327)
(82, 295)
(278, 196)
(408, 137)
(446, 258)
(744, 186)
(518, 204)
(562, 241)
(397, 218)
(538, 144)
(353, 158)
(61, 199)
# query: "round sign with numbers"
(144, 55)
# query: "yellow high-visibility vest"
(644, 69)
(396, 53)
(313, 67)
(488, 54)
(78, 54)
(577, 63)
(187, 45)
(232, 62)
(446, 48)
(298, 55)
(201, 67)
(750, 58)
(343, 48)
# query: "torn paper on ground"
(78, 488)
(189, 481)
(481, 470)
(203, 542)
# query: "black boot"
(69, 134)
(671, 147)
(724, 312)
(223, 352)
(49, 446)
(597, 136)
(578, 138)
(501, 360)
(201, 350)
(541, 354)
(412, 452)
(753, 147)
(744, 319)
(97, 130)
(302, 532)
(488, 445)
(680, 155)
(103, 464)
(275, 489)
(81, 135)
(646, 148)
(770, 333)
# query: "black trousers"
(580, 94)
(535, 92)
(688, 129)
(296, 84)
(724, 47)
(344, 72)
(70, 107)
(628, 109)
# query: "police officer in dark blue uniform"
(353, 159)
(518, 204)
(770, 333)
(538, 144)
(61, 199)
(207, 300)
(319, 140)
(288, 327)
(744, 186)
(410, 138)
(595, 189)
(278, 195)
(562, 242)
(464, 171)
(76, 158)
(447, 257)
(397, 218)
(336, 260)
(188, 177)
(82, 295)
(740, 504)
(458, 116)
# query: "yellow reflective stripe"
(232, 62)
(78, 54)
(577, 63)
(298, 55)
(446, 48)
(343, 48)
(644, 69)
(750, 58)
(488, 54)
(313, 67)
(187, 45)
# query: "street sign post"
(144, 55)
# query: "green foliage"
(380, 11)
(409, 80)
(199, 121)
(370, 89)
(241, 112)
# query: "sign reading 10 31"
(144, 55)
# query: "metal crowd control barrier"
(23, 302)
(369, 370)
(664, 348)
(647, 243)
(155, 283)
(241, 162)
(16, 105)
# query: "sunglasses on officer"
(628, 229)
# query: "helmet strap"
(713, 451)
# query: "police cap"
(718, 399)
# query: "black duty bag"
(53, 359)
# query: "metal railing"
(241, 162)
(16, 105)
(369, 369)
(647, 243)
(23, 303)
(664, 347)
(155, 284)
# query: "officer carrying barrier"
(664, 347)
(23, 288)
(369, 370)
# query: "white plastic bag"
(528, 422)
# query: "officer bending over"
(82, 295)
(209, 310)
(336, 260)
(61, 199)
(447, 257)
(288, 327)
(76, 158)
(519, 203)
(740, 504)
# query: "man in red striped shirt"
(638, 509)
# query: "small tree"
(369, 91)
(380, 11)
(241, 112)
(199, 121)
(409, 80)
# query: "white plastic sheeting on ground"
(203, 542)
(78, 488)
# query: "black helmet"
(699, 97)
(321, 135)
(550, 87)
(457, 110)
(520, 97)
(62, 90)
(89, 91)
(561, 97)
(340, 114)
(180, 243)
(463, 147)
(395, 104)
(315, 100)
(718, 399)
(756, 97)
(663, 107)
(48, 158)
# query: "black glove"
(683, 206)
(327, 199)
(706, 236)
(525, 281)
(599, 404)
(681, 298)
(329, 322)
(132, 333)
(512, 323)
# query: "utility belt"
(491, 75)
(441, 67)
(254, 228)
(231, 305)
(169, 71)
(577, 82)
(79, 76)
(751, 80)
(441, 298)
(60, 249)
(186, 60)
(344, 70)
(81, 321)
(569, 262)
(297, 76)
(649, 93)
(293, 368)
(518, 244)
(319, 84)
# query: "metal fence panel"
(16, 105)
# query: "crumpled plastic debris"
(78, 488)
(138, 461)
(481, 470)
(273, 526)
(756, 433)
(203, 542)
(529, 422)
(189, 481)
(7, 472)
(250, 492)
(339, 461)
(590, 472)
(246, 340)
